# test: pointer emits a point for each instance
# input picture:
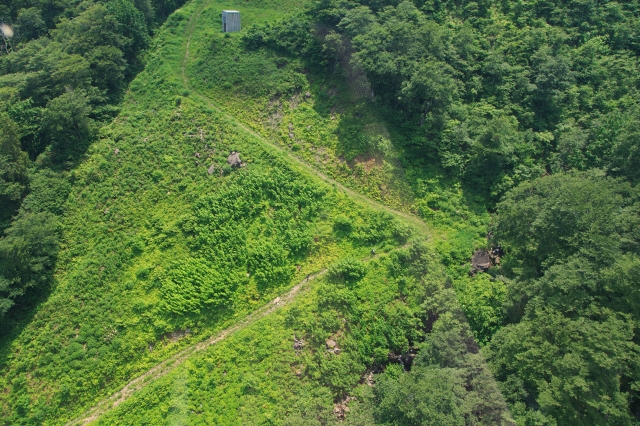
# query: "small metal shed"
(230, 21)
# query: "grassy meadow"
(312, 363)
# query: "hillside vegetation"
(64, 67)
(154, 247)
(529, 111)
(383, 142)
(156, 253)
(343, 331)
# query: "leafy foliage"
(347, 270)
(13, 169)
(515, 101)
(445, 109)
(27, 252)
(258, 374)
(499, 99)
(572, 248)
(547, 221)
(154, 251)
(64, 73)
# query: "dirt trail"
(413, 219)
(179, 358)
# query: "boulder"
(481, 260)
(234, 159)
(298, 344)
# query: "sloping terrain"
(314, 362)
(167, 248)
(275, 226)
(157, 253)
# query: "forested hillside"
(534, 105)
(382, 144)
(64, 67)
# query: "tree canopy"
(62, 74)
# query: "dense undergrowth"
(64, 68)
(281, 86)
(154, 242)
(313, 363)
(446, 108)
(157, 253)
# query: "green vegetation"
(63, 70)
(155, 253)
(572, 243)
(139, 269)
(480, 102)
(128, 238)
(341, 329)
(13, 169)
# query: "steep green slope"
(164, 245)
(64, 68)
(169, 256)
(513, 99)
(277, 79)
(157, 253)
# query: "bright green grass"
(129, 239)
(313, 115)
(256, 377)
(320, 118)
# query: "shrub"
(348, 270)
(342, 224)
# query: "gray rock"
(234, 159)
(481, 260)
(298, 344)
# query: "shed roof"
(231, 11)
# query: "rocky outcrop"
(234, 159)
(298, 344)
(332, 347)
(483, 260)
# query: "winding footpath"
(180, 357)
(417, 222)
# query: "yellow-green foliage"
(298, 365)
(262, 79)
(157, 253)
(313, 114)
(152, 244)
(257, 376)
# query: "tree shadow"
(21, 315)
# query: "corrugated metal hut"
(230, 21)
